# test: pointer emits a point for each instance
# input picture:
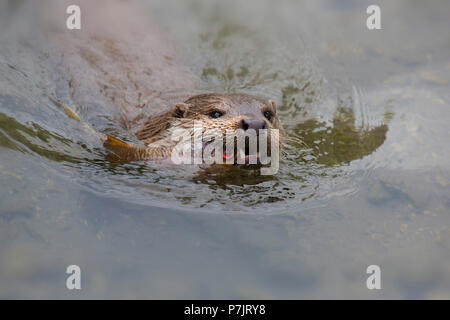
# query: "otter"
(221, 113)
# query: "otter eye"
(268, 115)
(216, 114)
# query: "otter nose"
(252, 124)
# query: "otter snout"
(254, 124)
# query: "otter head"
(217, 117)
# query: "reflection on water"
(364, 176)
(34, 138)
(341, 142)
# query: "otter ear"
(273, 104)
(179, 110)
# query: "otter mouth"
(249, 159)
(245, 156)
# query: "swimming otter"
(221, 113)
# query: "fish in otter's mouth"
(250, 146)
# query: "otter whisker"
(293, 139)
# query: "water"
(364, 179)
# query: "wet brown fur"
(234, 107)
(156, 131)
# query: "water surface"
(364, 179)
